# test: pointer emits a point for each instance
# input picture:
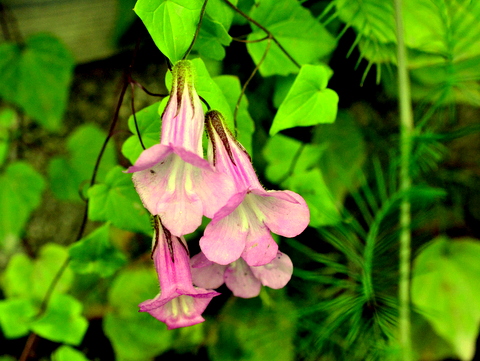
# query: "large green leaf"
(309, 101)
(171, 23)
(304, 38)
(21, 189)
(116, 201)
(231, 88)
(62, 321)
(95, 254)
(446, 290)
(67, 175)
(134, 335)
(7, 121)
(219, 11)
(36, 76)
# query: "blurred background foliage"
(63, 67)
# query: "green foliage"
(148, 120)
(95, 254)
(7, 121)
(250, 331)
(171, 24)
(308, 102)
(134, 335)
(231, 88)
(36, 77)
(16, 316)
(211, 40)
(116, 201)
(62, 321)
(21, 189)
(68, 174)
(67, 353)
(445, 289)
(295, 29)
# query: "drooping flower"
(243, 280)
(179, 303)
(172, 178)
(242, 227)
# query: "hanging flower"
(243, 280)
(242, 227)
(179, 303)
(172, 178)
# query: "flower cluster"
(179, 186)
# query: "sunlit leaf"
(16, 316)
(446, 290)
(62, 321)
(67, 353)
(305, 39)
(95, 254)
(36, 76)
(116, 201)
(21, 189)
(67, 175)
(211, 40)
(308, 102)
(219, 11)
(171, 23)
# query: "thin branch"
(266, 32)
(132, 97)
(199, 25)
(252, 41)
(242, 93)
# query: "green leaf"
(308, 102)
(67, 175)
(67, 353)
(45, 268)
(21, 189)
(344, 155)
(294, 27)
(231, 88)
(18, 276)
(171, 23)
(7, 121)
(117, 201)
(219, 11)
(249, 331)
(446, 290)
(95, 254)
(211, 40)
(211, 92)
(62, 321)
(36, 77)
(149, 122)
(16, 316)
(134, 335)
(312, 187)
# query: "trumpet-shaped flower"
(179, 303)
(243, 280)
(242, 227)
(172, 178)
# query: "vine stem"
(406, 132)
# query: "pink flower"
(242, 227)
(243, 280)
(179, 303)
(172, 178)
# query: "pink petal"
(275, 274)
(260, 247)
(241, 281)
(217, 192)
(224, 240)
(205, 273)
(150, 157)
(286, 212)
